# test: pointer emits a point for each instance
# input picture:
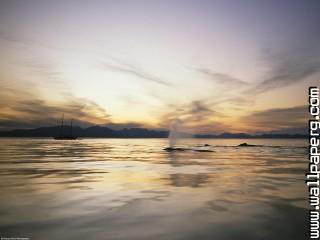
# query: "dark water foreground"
(132, 189)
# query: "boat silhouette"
(65, 136)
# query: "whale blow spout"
(174, 133)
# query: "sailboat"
(62, 135)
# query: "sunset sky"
(218, 66)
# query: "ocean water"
(132, 189)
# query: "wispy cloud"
(229, 89)
(131, 69)
(11, 36)
(18, 38)
(222, 78)
(295, 61)
(287, 73)
(40, 68)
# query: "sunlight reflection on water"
(132, 189)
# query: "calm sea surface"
(131, 189)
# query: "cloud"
(195, 117)
(22, 107)
(118, 126)
(14, 37)
(230, 89)
(196, 110)
(296, 60)
(128, 68)
(198, 117)
(286, 73)
(35, 113)
(222, 78)
(41, 68)
(25, 40)
(239, 101)
(277, 119)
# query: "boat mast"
(71, 127)
(61, 127)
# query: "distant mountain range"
(105, 132)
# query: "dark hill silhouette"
(105, 132)
(98, 131)
(91, 132)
